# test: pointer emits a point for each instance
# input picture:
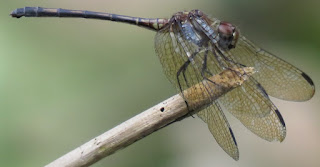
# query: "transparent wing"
(220, 129)
(250, 99)
(279, 78)
(271, 127)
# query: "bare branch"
(153, 119)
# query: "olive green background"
(65, 81)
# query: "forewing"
(279, 78)
(220, 129)
(252, 106)
(269, 127)
(250, 99)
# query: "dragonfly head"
(228, 35)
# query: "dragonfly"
(192, 47)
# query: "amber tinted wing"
(279, 78)
(220, 129)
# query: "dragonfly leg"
(204, 65)
(205, 69)
(233, 63)
(228, 63)
(182, 70)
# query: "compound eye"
(226, 28)
(228, 35)
(235, 35)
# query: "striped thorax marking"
(207, 29)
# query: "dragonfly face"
(228, 35)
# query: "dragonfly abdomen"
(149, 23)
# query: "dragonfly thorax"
(199, 29)
(195, 28)
(193, 35)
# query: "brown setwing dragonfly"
(192, 47)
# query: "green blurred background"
(65, 81)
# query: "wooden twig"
(155, 118)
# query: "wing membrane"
(250, 99)
(279, 78)
(271, 127)
(220, 129)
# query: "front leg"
(205, 69)
(183, 69)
